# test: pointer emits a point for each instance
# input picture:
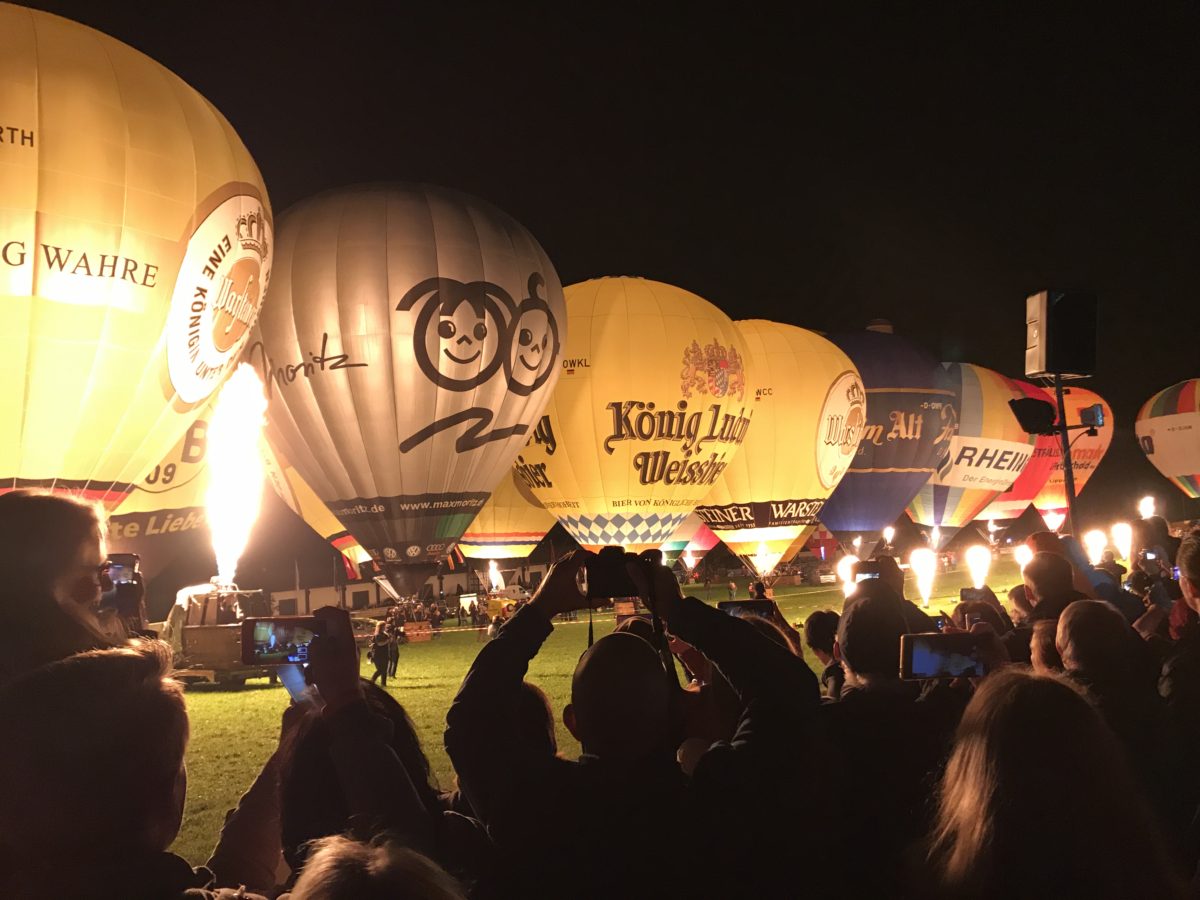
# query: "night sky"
(930, 163)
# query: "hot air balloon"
(984, 449)
(415, 338)
(1047, 450)
(1168, 430)
(652, 405)
(693, 534)
(1088, 447)
(510, 525)
(135, 247)
(809, 412)
(897, 451)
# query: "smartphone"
(606, 575)
(122, 567)
(1149, 554)
(764, 609)
(970, 593)
(277, 640)
(940, 621)
(936, 655)
(864, 569)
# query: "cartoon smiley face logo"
(534, 346)
(461, 330)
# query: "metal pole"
(1068, 472)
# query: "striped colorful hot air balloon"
(985, 449)
(510, 525)
(1168, 430)
(1047, 452)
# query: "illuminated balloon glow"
(889, 535)
(979, 563)
(511, 524)
(1087, 450)
(1122, 538)
(652, 405)
(808, 412)
(845, 573)
(1054, 520)
(1095, 542)
(414, 338)
(1168, 431)
(1146, 507)
(1023, 554)
(983, 448)
(923, 563)
(1047, 453)
(236, 473)
(495, 578)
(901, 442)
(135, 249)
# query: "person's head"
(637, 625)
(1047, 576)
(1094, 639)
(758, 591)
(1043, 651)
(891, 574)
(979, 610)
(1018, 602)
(868, 635)
(92, 764)
(535, 720)
(340, 868)
(311, 802)
(52, 544)
(993, 836)
(1108, 557)
(1188, 560)
(380, 628)
(820, 631)
(620, 699)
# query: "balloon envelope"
(510, 525)
(808, 414)
(652, 405)
(984, 451)
(1087, 450)
(1047, 451)
(1168, 430)
(897, 452)
(135, 248)
(415, 337)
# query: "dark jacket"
(1017, 642)
(591, 828)
(146, 876)
(1179, 687)
(890, 744)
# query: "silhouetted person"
(820, 634)
(1049, 588)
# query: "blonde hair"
(1029, 745)
(93, 750)
(339, 868)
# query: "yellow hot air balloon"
(135, 248)
(651, 407)
(510, 525)
(809, 411)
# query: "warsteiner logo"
(217, 295)
(714, 370)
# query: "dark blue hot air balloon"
(906, 412)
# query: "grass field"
(235, 730)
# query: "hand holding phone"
(934, 655)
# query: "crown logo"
(252, 233)
(855, 394)
(713, 370)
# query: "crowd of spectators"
(1065, 771)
